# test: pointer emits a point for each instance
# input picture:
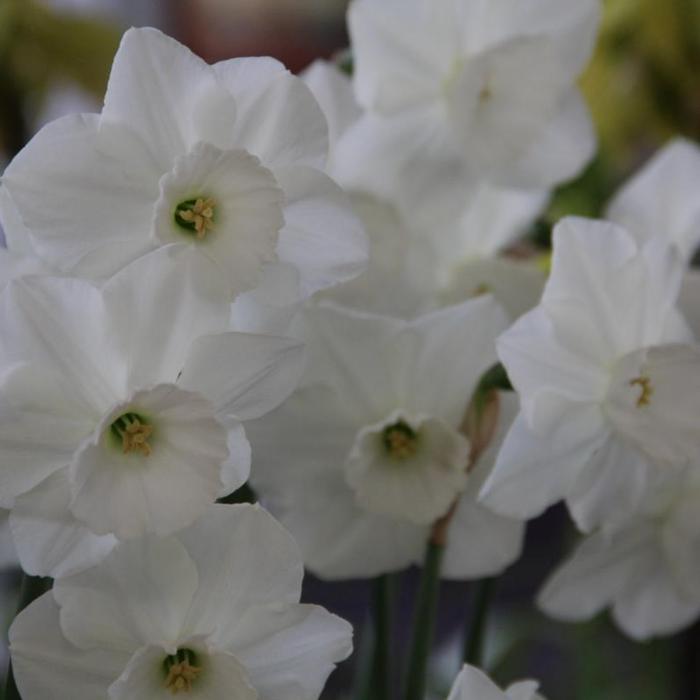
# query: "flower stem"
(424, 620)
(30, 589)
(475, 638)
(380, 676)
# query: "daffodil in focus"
(201, 615)
(122, 404)
(227, 159)
(373, 443)
(598, 370)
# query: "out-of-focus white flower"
(225, 158)
(210, 613)
(122, 405)
(592, 387)
(661, 199)
(373, 452)
(465, 91)
(646, 573)
(414, 265)
(474, 684)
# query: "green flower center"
(196, 215)
(133, 433)
(181, 671)
(400, 440)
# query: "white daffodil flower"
(372, 446)
(646, 573)
(416, 265)
(661, 199)
(593, 387)
(212, 612)
(464, 90)
(122, 405)
(473, 684)
(226, 158)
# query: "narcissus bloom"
(474, 684)
(597, 396)
(226, 158)
(431, 258)
(647, 573)
(211, 613)
(466, 90)
(372, 443)
(122, 405)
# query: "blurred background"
(643, 87)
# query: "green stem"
(30, 589)
(380, 676)
(424, 621)
(474, 642)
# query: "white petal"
(289, 651)
(660, 199)
(607, 295)
(131, 493)
(222, 677)
(597, 573)
(401, 52)
(655, 606)
(158, 305)
(138, 595)
(564, 146)
(612, 486)
(47, 665)
(271, 306)
(533, 472)
(322, 237)
(49, 540)
(493, 219)
(155, 87)
(354, 353)
(442, 355)
(249, 560)
(278, 119)
(16, 234)
(571, 24)
(333, 90)
(523, 690)
(13, 265)
(515, 284)
(236, 470)
(474, 684)
(41, 426)
(242, 374)
(419, 487)
(61, 325)
(113, 207)
(247, 211)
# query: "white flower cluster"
(187, 293)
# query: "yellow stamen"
(644, 383)
(400, 444)
(135, 437)
(201, 215)
(181, 676)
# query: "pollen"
(181, 671)
(197, 214)
(134, 434)
(400, 441)
(644, 383)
